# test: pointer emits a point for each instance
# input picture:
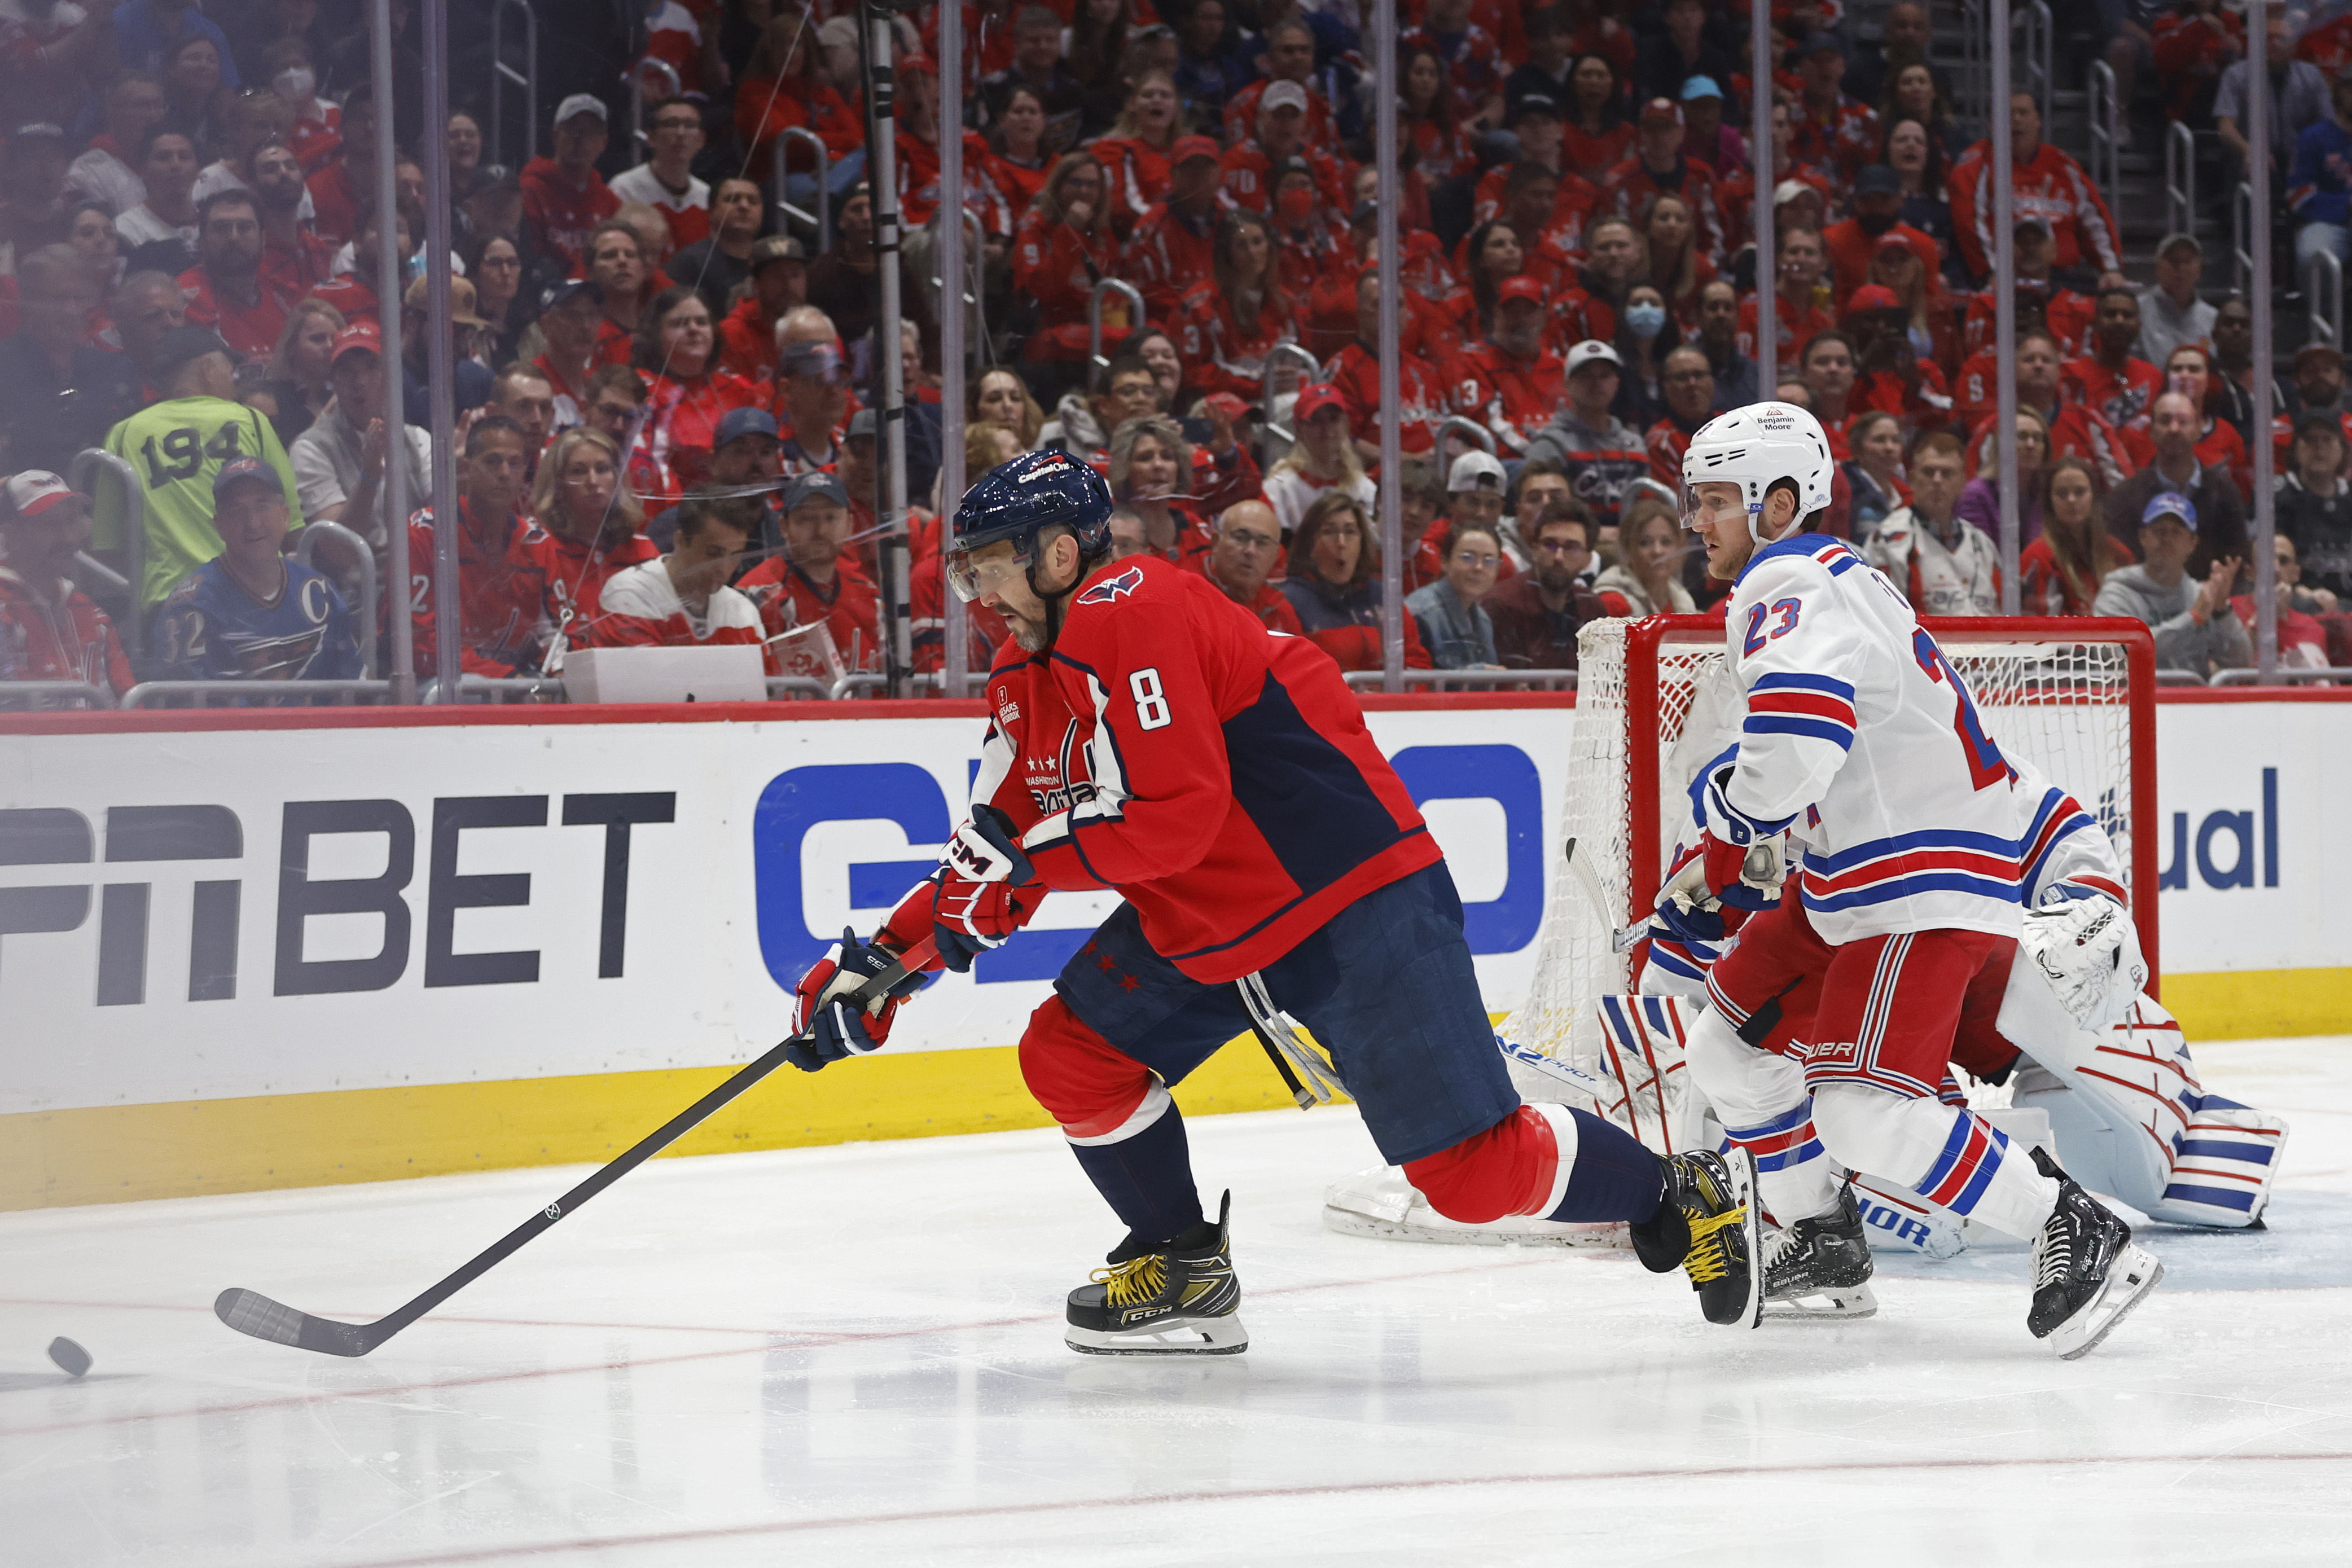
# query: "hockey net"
(1655, 699)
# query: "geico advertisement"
(2252, 843)
(203, 915)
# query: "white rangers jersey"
(1860, 737)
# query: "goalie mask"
(1755, 447)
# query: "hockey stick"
(251, 1312)
(1587, 882)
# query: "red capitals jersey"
(788, 597)
(1248, 173)
(1240, 115)
(1737, 193)
(984, 629)
(1444, 152)
(1136, 174)
(1571, 205)
(1222, 352)
(2049, 186)
(558, 217)
(1844, 137)
(250, 330)
(2119, 396)
(684, 422)
(1356, 372)
(1851, 248)
(2328, 46)
(643, 610)
(1473, 65)
(1220, 779)
(1168, 253)
(2067, 314)
(70, 640)
(1667, 442)
(1631, 183)
(498, 596)
(1794, 330)
(571, 578)
(1058, 266)
(1516, 397)
(1578, 317)
(2075, 432)
(294, 270)
(1591, 154)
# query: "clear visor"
(973, 580)
(1727, 503)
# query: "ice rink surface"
(851, 1355)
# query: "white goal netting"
(2045, 691)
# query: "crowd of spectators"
(667, 372)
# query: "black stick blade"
(251, 1312)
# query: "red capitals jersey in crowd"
(250, 330)
(746, 340)
(2119, 396)
(1223, 353)
(1220, 779)
(1444, 152)
(1737, 194)
(1272, 609)
(984, 629)
(1248, 172)
(788, 597)
(1571, 205)
(2075, 432)
(2068, 315)
(1844, 137)
(571, 578)
(2328, 45)
(355, 300)
(919, 190)
(1794, 329)
(1168, 253)
(1516, 397)
(69, 640)
(1058, 266)
(499, 594)
(317, 137)
(2283, 443)
(2049, 186)
(1473, 65)
(1927, 401)
(335, 201)
(2220, 447)
(1667, 442)
(684, 421)
(1318, 250)
(1851, 248)
(1578, 317)
(2192, 48)
(558, 217)
(294, 270)
(642, 609)
(1240, 115)
(1590, 155)
(1136, 174)
(1423, 398)
(1631, 185)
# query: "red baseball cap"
(1195, 146)
(1661, 111)
(1891, 241)
(1519, 287)
(918, 64)
(1873, 297)
(1312, 401)
(358, 335)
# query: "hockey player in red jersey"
(1146, 735)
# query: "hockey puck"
(71, 1359)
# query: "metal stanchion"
(1392, 493)
(950, 258)
(2004, 292)
(896, 635)
(440, 349)
(2258, 299)
(397, 566)
(1759, 212)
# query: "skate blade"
(1196, 1336)
(2135, 1274)
(1829, 1305)
(1743, 1176)
(1421, 1225)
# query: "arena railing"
(2241, 244)
(2323, 289)
(2179, 179)
(1472, 680)
(2034, 21)
(2104, 110)
(17, 697)
(82, 475)
(1095, 359)
(823, 216)
(527, 79)
(492, 690)
(1470, 429)
(258, 693)
(1310, 369)
(641, 140)
(306, 546)
(2179, 678)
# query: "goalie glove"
(2082, 942)
(988, 849)
(828, 1022)
(1745, 876)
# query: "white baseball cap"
(35, 491)
(580, 103)
(1589, 349)
(1476, 471)
(1283, 95)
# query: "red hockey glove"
(828, 1022)
(969, 918)
(988, 849)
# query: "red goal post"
(2075, 696)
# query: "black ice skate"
(2086, 1272)
(1821, 1268)
(1175, 1298)
(1709, 1225)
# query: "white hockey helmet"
(1754, 447)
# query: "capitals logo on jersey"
(1110, 590)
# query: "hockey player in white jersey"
(1859, 736)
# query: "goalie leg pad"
(2226, 1162)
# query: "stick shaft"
(669, 1132)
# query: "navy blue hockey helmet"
(1016, 500)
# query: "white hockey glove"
(2082, 943)
(1746, 875)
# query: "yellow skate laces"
(1135, 1280)
(1709, 1254)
